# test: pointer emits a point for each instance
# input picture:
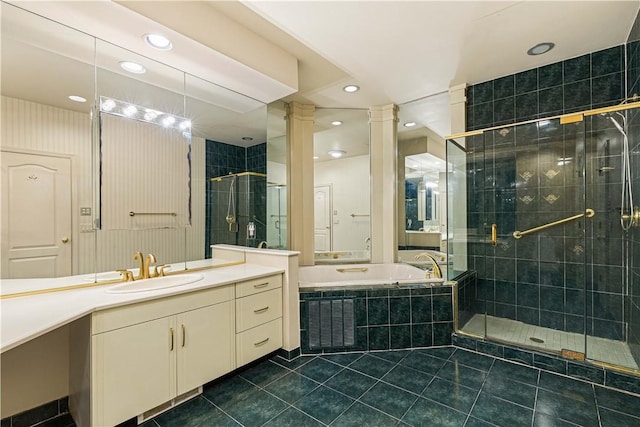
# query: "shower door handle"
(494, 234)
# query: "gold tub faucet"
(437, 272)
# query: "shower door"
(529, 180)
(534, 200)
(547, 262)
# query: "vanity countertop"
(27, 317)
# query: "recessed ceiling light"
(336, 122)
(351, 88)
(77, 98)
(409, 124)
(540, 48)
(337, 153)
(247, 138)
(158, 41)
(133, 67)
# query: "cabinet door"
(206, 345)
(133, 370)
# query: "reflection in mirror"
(421, 188)
(276, 176)
(144, 161)
(46, 147)
(342, 204)
(39, 119)
(235, 164)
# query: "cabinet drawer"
(119, 317)
(255, 343)
(254, 286)
(257, 309)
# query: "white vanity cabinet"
(258, 318)
(142, 358)
(145, 355)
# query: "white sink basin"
(155, 283)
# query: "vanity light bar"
(136, 112)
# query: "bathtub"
(341, 257)
(330, 276)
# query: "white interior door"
(322, 218)
(36, 216)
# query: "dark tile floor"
(431, 387)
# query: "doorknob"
(65, 240)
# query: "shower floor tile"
(519, 333)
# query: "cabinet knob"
(65, 240)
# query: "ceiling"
(403, 51)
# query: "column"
(383, 123)
(300, 180)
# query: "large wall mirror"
(421, 186)
(129, 169)
(342, 205)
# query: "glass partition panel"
(228, 137)
(276, 176)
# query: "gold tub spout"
(437, 272)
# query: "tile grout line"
(479, 392)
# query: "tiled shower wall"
(633, 85)
(588, 81)
(539, 280)
(223, 159)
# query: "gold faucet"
(138, 256)
(437, 272)
(144, 264)
(148, 261)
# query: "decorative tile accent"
(527, 175)
(551, 173)
(526, 199)
(551, 198)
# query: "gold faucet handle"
(127, 276)
(160, 271)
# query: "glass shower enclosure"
(541, 214)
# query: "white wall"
(351, 189)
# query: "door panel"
(36, 216)
(206, 343)
(322, 218)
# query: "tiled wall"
(633, 245)
(390, 318)
(589, 81)
(467, 301)
(55, 413)
(223, 159)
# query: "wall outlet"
(85, 211)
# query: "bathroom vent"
(331, 324)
